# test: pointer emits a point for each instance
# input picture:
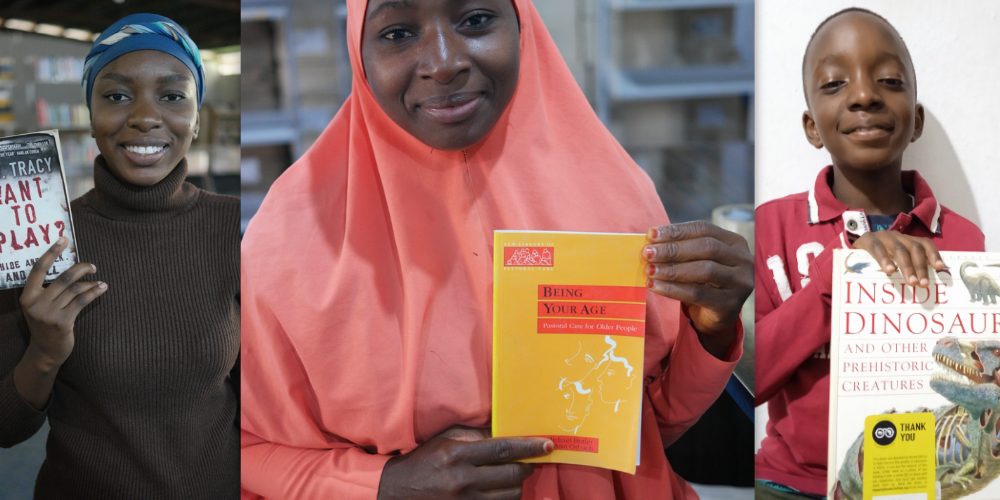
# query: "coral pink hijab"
(367, 284)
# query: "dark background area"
(211, 23)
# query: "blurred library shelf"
(270, 130)
(299, 76)
(708, 71)
(674, 82)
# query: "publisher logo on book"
(528, 256)
(884, 433)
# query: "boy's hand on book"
(910, 254)
(707, 268)
(462, 463)
(51, 310)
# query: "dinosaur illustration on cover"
(981, 286)
(967, 454)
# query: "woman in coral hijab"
(367, 272)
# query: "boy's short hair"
(842, 12)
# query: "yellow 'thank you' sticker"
(899, 457)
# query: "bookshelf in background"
(8, 121)
(52, 83)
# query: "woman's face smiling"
(443, 70)
(144, 111)
(862, 93)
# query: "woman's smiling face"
(144, 111)
(443, 70)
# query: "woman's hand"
(51, 311)
(462, 463)
(911, 254)
(707, 268)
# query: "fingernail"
(649, 283)
(61, 240)
(650, 269)
(924, 282)
(93, 268)
(549, 446)
(653, 233)
(102, 285)
(650, 253)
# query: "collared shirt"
(794, 239)
(881, 222)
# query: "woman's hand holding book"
(462, 463)
(708, 269)
(50, 312)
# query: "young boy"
(861, 92)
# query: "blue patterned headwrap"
(142, 32)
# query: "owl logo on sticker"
(884, 433)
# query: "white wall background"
(955, 46)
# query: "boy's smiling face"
(443, 70)
(861, 91)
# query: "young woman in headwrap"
(368, 270)
(140, 386)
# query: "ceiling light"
(229, 58)
(229, 63)
(229, 69)
(49, 29)
(82, 35)
(19, 24)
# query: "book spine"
(497, 346)
(65, 190)
(831, 453)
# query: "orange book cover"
(569, 315)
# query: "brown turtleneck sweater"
(146, 406)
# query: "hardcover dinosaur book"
(569, 315)
(35, 206)
(904, 354)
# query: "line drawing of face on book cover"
(609, 378)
